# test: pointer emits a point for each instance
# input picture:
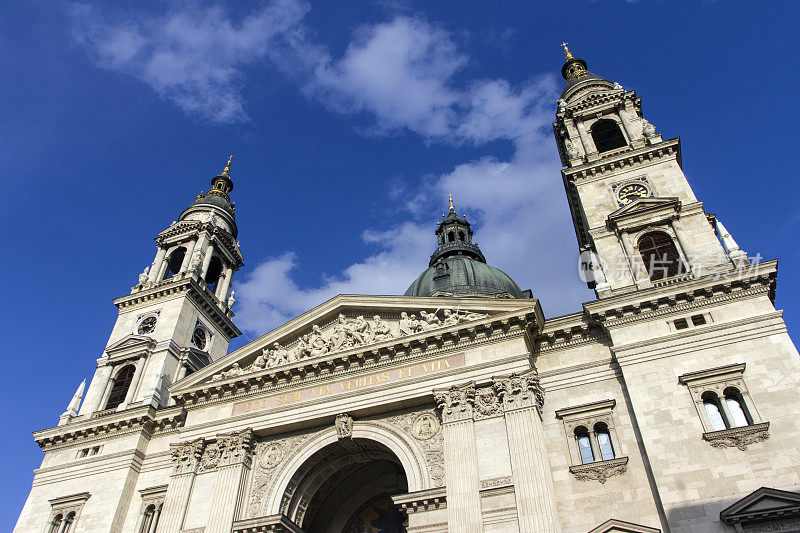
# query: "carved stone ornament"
(186, 456)
(648, 129)
(344, 426)
(210, 459)
(236, 447)
(487, 403)
(572, 152)
(738, 437)
(346, 333)
(426, 429)
(271, 456)
(425, 426)
(600, 470)
(519, 392)
(456, 403)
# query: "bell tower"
(178, 317)
(637, 220)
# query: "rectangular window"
(681, 323)
(698, 320)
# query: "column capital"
(519, 392)
(236, 447)
(186, 456)
(456, 403)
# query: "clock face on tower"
(147, 325)
(199, 338)
(632, 191)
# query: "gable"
(619, 526)
(131, 345)
(763, 504)
(349, 325)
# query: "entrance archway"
(346, 486)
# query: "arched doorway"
(346, 486)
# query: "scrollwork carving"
(186, 456)
(487, 403)
(601, 470)
(425, 428)
(344, 426)
(740, 437)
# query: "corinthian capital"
(186, 456)
(456, 403)
(519, 392)
(236, 447)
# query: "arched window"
(660, 257)
(584, 445)
(711, 404)
(451, 236)
(122, 382)
(55, 525)
(175, 261)
(604, 441)
(607, 135)
(68, 522)
(150, 520)
(461, 236)
(736, 407)
(214, 273)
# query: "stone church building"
(668, 403)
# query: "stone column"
(460, 459)
(137, 377)
(683, 244)
(236, 457)
(533, 479)
(626, 123)
(207, 260)
(185, 458)
(156, 266)
(188, 257)
(588, 145)
(631, 257)
(225, 285)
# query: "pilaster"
(460, 459)
(533, 480)
(234, 465)
(185, 459)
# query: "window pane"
(737, 413)
(606, 450)
(585, 447)
(717, 422)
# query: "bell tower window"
(214, 273)
(175, 261)
(122, 383)
(607, 135)
(660, 256)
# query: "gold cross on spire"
(228, 166)
(567, 53)
(452, 208)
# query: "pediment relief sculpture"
(347, 333)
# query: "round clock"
(199, 338)
(147, 325)
(632, 191)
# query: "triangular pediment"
(620, 526)
(129, 346)
(349, 325)
(762, 503)
(644, 205)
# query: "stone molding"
(68, 504)
(145, 419)
(620, 526)
(421, 501)
(625, 161)
(740, 437)
(496, 483)
(153, 495)
(600, 470)
(266, 524)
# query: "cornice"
(751, 281)
(626, 160)
(145, 418)
(175, 287)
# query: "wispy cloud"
(403, 75)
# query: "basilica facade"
(668, 403)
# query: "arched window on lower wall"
(122, 382)
(604, 441)
(150, 519)
(660, 256)
(737, 408)
(55, 524)
(714, 411)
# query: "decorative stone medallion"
(271, 456)
(425, 426)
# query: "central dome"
(458, 268)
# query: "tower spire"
(452, 207)
(567, 53)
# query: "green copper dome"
(458, 268)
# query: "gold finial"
(228, 166)
(452, 209)
(567, 53)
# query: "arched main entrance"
(345, 486)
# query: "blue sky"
(350, 123)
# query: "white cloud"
(192, 55)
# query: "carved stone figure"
(143, 276)
(344, 426)
(381, 330)
(429, 320)
(450, 318)
(617, 85)
(561, 105)
(231, 299)
(406, 324)
(487, 403)
(319, 345)
(572, 152)
(648, 129)
(233, 371)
